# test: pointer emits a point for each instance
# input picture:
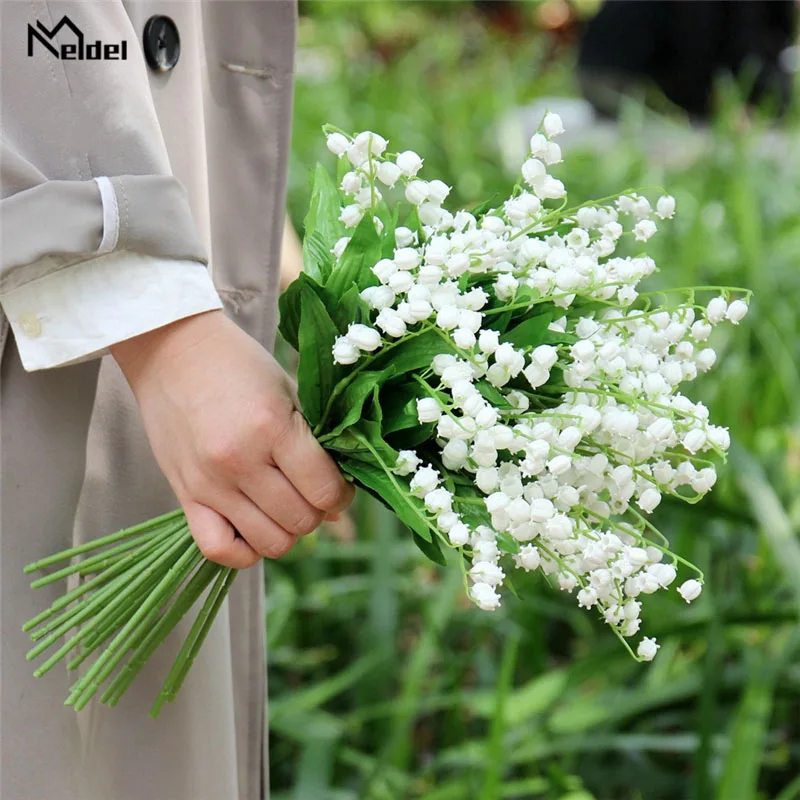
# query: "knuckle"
(277, 548)
(223, 453)
(214, 551)
(305, 522)
(284, 426)
(330, 495)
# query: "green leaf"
(317, 256)
(289, 307)
(317, 373)
(493, 395)
(349, 308)
(355, 266)
(354, 396)
(431, 549)
(529, 332)
(413, 353)
(409, 510)
(495, 201)
(322, 226)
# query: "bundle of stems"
(134, 587)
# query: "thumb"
(217, 539)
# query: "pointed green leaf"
(352, 400)
(408, 509)
(322, 226)
(316, 372)
(529, 332)
(355, 265)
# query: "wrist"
(137, 354)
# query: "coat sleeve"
(97, 239)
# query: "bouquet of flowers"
(493, 375)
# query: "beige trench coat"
(197, 158)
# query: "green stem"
(194, 640)
(169, 620)
(148, 609)
(64, 555)
(97, 561)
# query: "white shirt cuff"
(76, 313)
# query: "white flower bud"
(438, 191)
(428, 410)
(406, 258)
(559, 465)
(344, 351)
(486, 479)
(454, 454)
(409, 163)
(429, 275)
(541, 510)
(447, 318)
(536, 375)
(438, 500)
(378, 297)
(534, 172)
(430, 214)
(351, 183)
(587, 598)
(404, 237)
(487, 572)
(485, 596)
(407, 462)
(664, 573)
(401, 281)
(340, 246)
(370, 142)
(665, 207)
(364, 337)
(550, 188)
(690, 590)
(417, 192)
(425, 480)
(488, 341)
(545, 355)
(528, 557)
(384, 270)
(389, 321)
(649, 499)
(644, 229)
(351, 215)
(705, 359)
(694, 440)
(464, 339)
(388, 173)
(552, 154)
(458, 534)
(647, 649)
(736, 312)
(716, 310)
(337, 143)
(552, 124)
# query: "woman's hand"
(223, 424)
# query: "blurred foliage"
(385, 682)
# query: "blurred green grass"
(384, 681)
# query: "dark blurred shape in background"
(683, 46)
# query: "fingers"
(270, 490)
(309, 468)
(262, 533)
(217, 539)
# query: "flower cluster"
(571, 435)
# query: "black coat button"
(162, 44)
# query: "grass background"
(385, 682)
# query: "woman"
(144, 150)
